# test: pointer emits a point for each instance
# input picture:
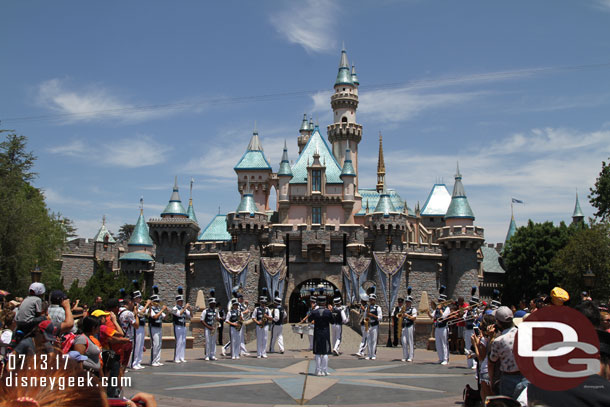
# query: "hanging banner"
(274, 270)
(359, 270)
(347, 283)
(389, 267)
(233, 264)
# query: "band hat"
(442, 297)
(234, 301)
(321, 299)
(136, 294)
(337, 300)
(364, 297)
(401, 299)
(409, 299)
(262, 298)
(559, 296)
(179, 298)
(503, 314)
(372, 297)
(37, 288)
(211, 300)
(277, 300)
(155, 298)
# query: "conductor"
(321, 317)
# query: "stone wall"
(462, 272)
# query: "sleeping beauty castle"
(326, 231)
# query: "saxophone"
(240, 321)
(367, 320)
(400, 317)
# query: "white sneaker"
(233, 357)
(409, 360)
(207, 358)
(236, 357)
(319, 374)
(182, 360)
(213, 358)
(258, 356)
(403, 360)
(444, 362)
(359, 354)
(156, 364)
(326, 374)
(246, 353)
(374, 357)
(367, 358)
(265, 356)
(176, 361)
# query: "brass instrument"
(367, 319)
(240, 322)
(442, 304)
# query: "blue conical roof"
(102, 233)
(348, 167)
(384, 205)
(344, 77)
(285, 169)
(316, 143)
(247, 204)
(354, 76)
(216, 230)
(141, 234)
(191, 211)
(512, 228)
(305, 124)
(459, 206)
(254, 157)
(174, 207)
(577, 211)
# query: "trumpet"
(441, 304)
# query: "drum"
(310, 330)
(297, 329)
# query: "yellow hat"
(99, 313)
(559, 296)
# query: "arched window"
(316, 181)
(344, 119)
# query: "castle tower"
(284, 176)
(104, 247)
(254, 169)
(172, 234)
(387, 225)
(345, 133)
(247, 222)
(461, 241)
(348, 176)
(138, 258)
(380, 167)
(577, 215)
(305, 132)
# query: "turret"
(459, 212)
(305, 132)
(512, 228)
(174, 208)
(577, 215)
(380, 167)
(345, 133)
(191, 211)
(139, 248)
(387, 224)
(248, 222)
(104, 244)
(253, 168)
(284, 176)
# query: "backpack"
(472, 397)
(67, 341)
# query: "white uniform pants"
(337, 330)
(138, 346)
(310, 334)
(467, 344)
(235, 341)
(442, 344)
(277, 335)
(180, 335)
(210, 343)
(372, 340)
(407, 342)
(242, 336)
(321, 364)
(155, 348)
(262, 333)
(363, 342)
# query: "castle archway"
(300, 297)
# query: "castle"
(326, 231)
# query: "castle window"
(343, 89)
(344, 119)
(316, 180)
(316, 215)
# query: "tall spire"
(174, 207)
(140, 235)
(191, 211)
(354, 76)
(285, 169)
(255, 143)
(344, 76)
(577, 215)
(380, 167)
(459, 206)
(512, 228)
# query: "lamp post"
(589, 279)
(36, 274)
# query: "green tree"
(125, 232)
(30, 234)
(600, 193)
(528, 257)
(588, 248)
(104, 283)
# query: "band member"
(373, 312)
(222, 315)
(129, 323)
(209, 319)
(140, 311)
(262, 317)
(440, 315)
(235, 321)
(408, 328)
(156, 315)
(339, 318)
(395, 311)
(469, 319)
(245, 314)
(321, 317)
(278, 317)
(363, 307)
(180, 314)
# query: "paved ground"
(288, 379)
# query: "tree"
(125, 232)
(600, 193)
(30, 235)
(587, 249)
(104, 283)
(528, 259)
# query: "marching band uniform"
(394, 317)
(138, 345)
(322, 317)
(233, 317)
(209, 317)
(262, 330)
(373, 327)
(278, 317)
(408, 328)
(180, 314)
(441, 331)
(242, 338)
(339, 318)
(363, 308)
(155, 327)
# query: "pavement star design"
(299, 382)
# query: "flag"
(517, 201)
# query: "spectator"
(60, 312)
(481, 343)
(591, 311)
(30, 311)
(7, 319)
(42, 339)
(502, 352)
(85, 346)
(604, 323)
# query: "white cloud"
(89, 104)
(308, 23)
(603, 5)
(133, 152)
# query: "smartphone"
(477, 331)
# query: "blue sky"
(118, 97)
